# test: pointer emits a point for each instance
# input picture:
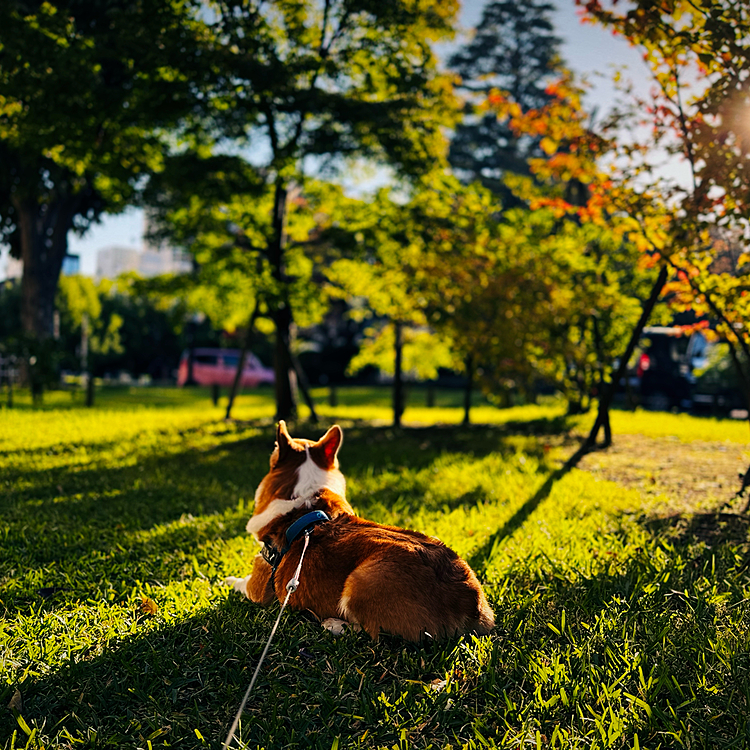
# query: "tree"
(381, 277)
(698, 55)
(570, 182)
(336, 79)
(514, 49)
(79, 301)
(221, 208)
(128, 331)
(89, 91)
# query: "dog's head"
(299, 469)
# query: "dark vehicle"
(717, 388)
(666, 366)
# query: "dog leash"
(291, 587)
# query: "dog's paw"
(238, 584)
(336, 627)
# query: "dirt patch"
(689, 477)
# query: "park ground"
(621, 587)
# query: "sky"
(589, 51)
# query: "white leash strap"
(291, 587)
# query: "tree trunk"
(44, 243)
(234, 390)
(285, 382)
(745, 384)
(430, 396)
(90, 389)
(281, 313)
(304, 386)
(602, 385)
(469, 362)
(86, 367)
(398, 382)
(605, 398)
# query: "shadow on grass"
(654, 635)
(86, 530)
(712, 529)
(627, 626)
(164, 684)
(417, 447)
(480, 557)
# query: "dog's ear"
(329, 445)
(283, 440)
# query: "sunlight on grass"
(682, 426)
(120, 522)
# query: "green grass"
(611, 631)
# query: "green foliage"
(79, 301)
(78, 298)
(108, 79)
(401, 266)
(116, 627)
(424, 353)
(126, 329)
(348, 79)
(345, 79)
(89, 93)
(224, 215)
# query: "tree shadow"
(166, 682)
(655, 639)
(483, 554)
(711, 528)
(417, 447)
(87, 531)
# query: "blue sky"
(588, 50)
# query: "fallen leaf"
(149, 606)
(16, 702)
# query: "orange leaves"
(701, 325)
(558, 206)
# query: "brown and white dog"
(381, 578)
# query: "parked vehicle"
(666, 366)
(217, 367)
(717, 388)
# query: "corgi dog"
(374, 577)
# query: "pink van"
(218, 366)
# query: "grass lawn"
(118, 525)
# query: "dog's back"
(387, 579)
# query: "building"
(13, 268)
(115, 260)
(158, 262)
(71, 265)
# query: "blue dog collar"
(273, 556)
(302, 524)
